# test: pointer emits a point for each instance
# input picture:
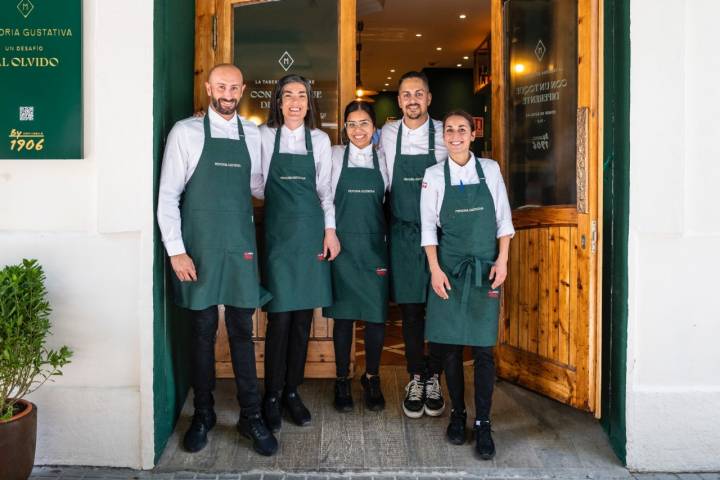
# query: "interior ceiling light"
(438, 48)
(466, 57)
(389, 78)
(392, 70)
(459, 64)
(387, 84)
(462, 16)
(418, 34)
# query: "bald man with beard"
(210, 171)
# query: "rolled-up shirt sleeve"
(430, 203)
(323, 167)
(503, 213)
(172, 184)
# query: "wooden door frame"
(590, 95)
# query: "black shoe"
(272, 412)
(414, 403)
(196, 437)
(343, 397)
(456, 428)
(253, 428)
(434, 403)
(484, 445)
(374, 400)
(298, 412)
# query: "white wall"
(673, 384)
(90, 224)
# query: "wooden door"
(214, 43)
(549, 335)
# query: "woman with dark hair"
(465, 198)
(299, 240)
(360, 272)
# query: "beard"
(414, 116)
(224, 111)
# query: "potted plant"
(25, 363)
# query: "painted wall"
(673, 385)
(90, 224)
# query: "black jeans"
(238, 322)
(342, 341)
(413, 326)
(484, 377)
(286, 344)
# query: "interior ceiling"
(389, 38)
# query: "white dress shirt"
(433, 192)
(182, 153)
(358, 158)
(414, 142)
(293, 141)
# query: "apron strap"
(241, 132)
(206, 126)
(376, 163)
(346, 156)
(276, 148)
(470, 271)
(398, 140)
(308, 141)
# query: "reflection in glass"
(542, 94)
(272, 39)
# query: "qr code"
(27, 114)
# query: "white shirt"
(414, 142)
(433, 192)
(182, 153)
(358, 158)
(293, 141)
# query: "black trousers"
(413, 327)
(286, 344)
(342, 341)
(484, 377)
(239, 326)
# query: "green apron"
(360, 272)
(408, 264)
(295, 270)
(218, 229)
(467, 252)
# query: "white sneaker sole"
(433, 413)
(411, 414)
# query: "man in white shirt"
(410, 145)
(211, 166)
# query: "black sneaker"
(196, 437)
(272, 412)
(484, 445)
(374, 400)
(343, 397)
(413, 405)
(434, 403)
(456, 428)
(253, 428)
(298, 412)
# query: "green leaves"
(25, 361)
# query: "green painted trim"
(616, 176)
(174, 47)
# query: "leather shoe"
(252, 427)
(456, 428)
(272, 412)
(484, 445)
(298, 412)
(374, 399)
(343, 401)
(196, 436)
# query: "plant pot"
(17, 443)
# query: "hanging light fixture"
(362, 94)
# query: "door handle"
(581, 159)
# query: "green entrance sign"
(41, 79)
